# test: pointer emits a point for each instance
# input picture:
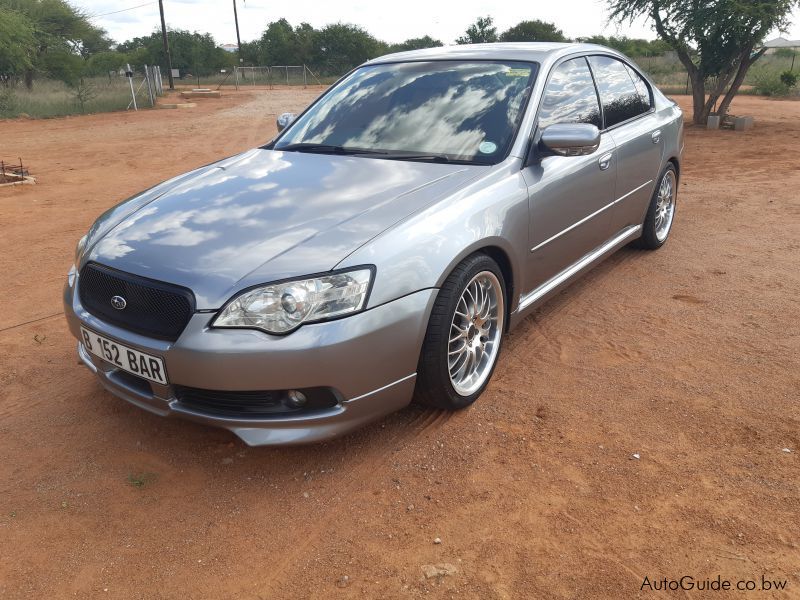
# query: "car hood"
(262, 216)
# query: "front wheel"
(661, 212)
(464, 334)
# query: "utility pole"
(166, 45)
(238, 39)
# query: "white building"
(780, 42)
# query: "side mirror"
(284, 120)
(571, 139)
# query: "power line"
(113, 12)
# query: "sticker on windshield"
(487, 147)
(518, 72)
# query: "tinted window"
(641, 86)
(461, 110)
(570, 96)
(620, 97)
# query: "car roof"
(528, 51)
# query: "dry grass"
(54, 99)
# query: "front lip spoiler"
(296, 429)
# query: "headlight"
(79, 249)
(283, 307)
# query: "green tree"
(104, 62)
(305, 38)
(716, 40)
(190, 52)
(533, 31)
(17, 41)
(250, 53)
(340, 47)
(630, 46)
(61, 33)
(415, 44)
(278, 44)
(480, 32)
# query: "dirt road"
(635, 426)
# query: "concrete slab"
(176, 105)
(14, 179)
(194, 94)
(743, 123)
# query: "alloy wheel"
(665, 205)
(475, 333)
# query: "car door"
(568, 196)
(630, 120)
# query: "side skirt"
(535, 297)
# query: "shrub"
(770, 83)
(8, 102)
(789, 79)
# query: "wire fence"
(272, 75)
(152, 83)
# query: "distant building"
(780, 42)
(230, 47)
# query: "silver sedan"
(379, 248)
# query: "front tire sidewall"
(434, 387)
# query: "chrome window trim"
(586, 218)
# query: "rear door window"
(621, 97)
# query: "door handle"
(605, 161)
(656, 136)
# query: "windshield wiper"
(326, 148)
(426, 157)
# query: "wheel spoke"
(475, 331)
(665, 205)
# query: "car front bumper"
(369, 360)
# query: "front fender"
(422, 250)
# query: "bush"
(771, 83)
(8, 102)
(789, 79)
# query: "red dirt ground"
(688, 357)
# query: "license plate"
(138, 363)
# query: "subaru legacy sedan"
(379, 248)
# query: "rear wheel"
(464, 334)
(661, 212)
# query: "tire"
(655, 230)
(443, 375)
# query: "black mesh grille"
(155, 309)
(251, 404)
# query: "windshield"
(459, 111)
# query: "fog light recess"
(296, 399)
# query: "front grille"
(254, 404)
(155, 309)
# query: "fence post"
(149, 80)
(129, 75)
(236, 76)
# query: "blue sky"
(389, 21)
